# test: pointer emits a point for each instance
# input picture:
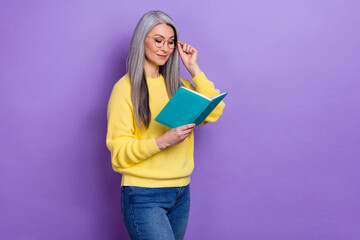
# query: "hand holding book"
(174, 136)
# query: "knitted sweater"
(134, 153)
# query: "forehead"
(163, 30)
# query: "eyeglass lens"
(159, 42)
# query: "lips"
(161, 56)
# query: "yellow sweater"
(135, 154)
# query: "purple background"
(282, 163)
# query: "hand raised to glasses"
(174, 136)
(188, 55)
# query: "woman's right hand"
(174, 136)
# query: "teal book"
(187, 106)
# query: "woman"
(154, 160)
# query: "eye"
(158, 40)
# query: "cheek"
(170, 53)
(150, 48)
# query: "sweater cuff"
(199, 78)
(153, 148)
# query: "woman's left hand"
(188, 55)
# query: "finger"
(191, 49)
(188, 129)
(187, 133)
(179, 48)
(181, 45)
(185, 48)
(183, 133)
(187, 126)
(181, 51)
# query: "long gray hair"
(135, 66)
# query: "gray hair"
(135, 66)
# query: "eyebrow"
(163, 36)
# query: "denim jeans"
(155, 213)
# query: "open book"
(187, 106)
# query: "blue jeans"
(155, 213)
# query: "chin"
(161, 63)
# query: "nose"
(165, 47)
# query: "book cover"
(187, 106)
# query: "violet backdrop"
(282, 162)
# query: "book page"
(217, 96)
(201, 95)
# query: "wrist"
(194, 70)
(160, 144)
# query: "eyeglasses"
(160, 42)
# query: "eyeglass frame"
(165, 41)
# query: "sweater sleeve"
(206, 87)
(126, 149)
